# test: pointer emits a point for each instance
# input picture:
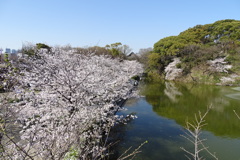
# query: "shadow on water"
(162, 114)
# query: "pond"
(163, 111)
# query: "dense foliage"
(42, 45)
(210, 34)
(196, 45)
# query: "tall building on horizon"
(8, 50)
(14, 51)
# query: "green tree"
(153, 60)
(114, 49)
(197, 45)
(42, 45)
(6, 58)
(169, 45)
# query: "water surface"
(162, 113)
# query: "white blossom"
(70, 102)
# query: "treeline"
(196, 45)
(115, 50)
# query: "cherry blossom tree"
(67, 104)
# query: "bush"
(230, 58)
(41, 45)
(179, 65)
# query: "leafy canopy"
(209, 34)
(196, 45)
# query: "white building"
(1, 50)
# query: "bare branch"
(194, 136)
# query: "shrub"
(41, 45)
(179, 65)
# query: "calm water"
(162, 113)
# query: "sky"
(84, 23)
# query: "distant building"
(14, 51)
(1, 50)
(8, 50)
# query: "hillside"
(207, 53)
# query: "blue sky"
(81, 23)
